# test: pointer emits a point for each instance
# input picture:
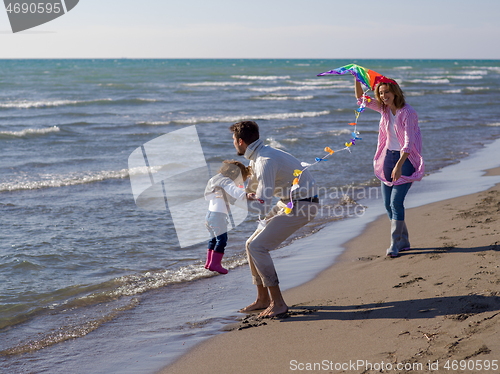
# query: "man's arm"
(265, 174)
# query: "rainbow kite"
(367, 77)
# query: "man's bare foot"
(274, 310)
(256, 305)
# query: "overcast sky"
(406, 29)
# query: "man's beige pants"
(279, 227)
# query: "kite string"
(298, 173)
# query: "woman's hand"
(396, 173)
(358, 90)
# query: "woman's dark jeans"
(394, 196)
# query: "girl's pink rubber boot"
(209, 258)
(215, 265)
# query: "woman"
(398, 160)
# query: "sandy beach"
(435, 308)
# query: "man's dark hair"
(248, 131)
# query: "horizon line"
(248, 58)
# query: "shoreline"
(437, 302)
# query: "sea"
(92, 282)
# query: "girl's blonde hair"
(232, 169)
(399, 96)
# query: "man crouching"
(273, 175)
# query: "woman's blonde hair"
(232, 169)
(399, 96)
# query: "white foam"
(216, 84)
(476, 72)
(280, 97)
(467, 76)
(431, 81)
(139, 283)
(482, 68)
(31, 132)
(318, 82)
(477, 88)
(275, 144)
(155, 123)
(53, 180)
(25, 104)
(414, 93)
(261, 77)
(339, 132)
(290, 88)
(250, 117)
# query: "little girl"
(231, 174)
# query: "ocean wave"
(51, 181)
(292, 88)
(291, 126)
(154, 123)
(216, 84)
(431, 81)
(414, 93)
(318, 82)
(25, 104)
(138, 100)
(344, 110)
(493, 68)
(117, 85)
(339, 132)
(450, 91)
(275, 144)
(426, 92)
(403, 67)
(496, 124)
(482, 68)
(108, 300)
(280, 97)
(134, 284)
(238, 118)
(261, 77)
(476, 72)
(291, 140)
(27, 132)
(466, 76)
(77, 327)
(475, 89)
